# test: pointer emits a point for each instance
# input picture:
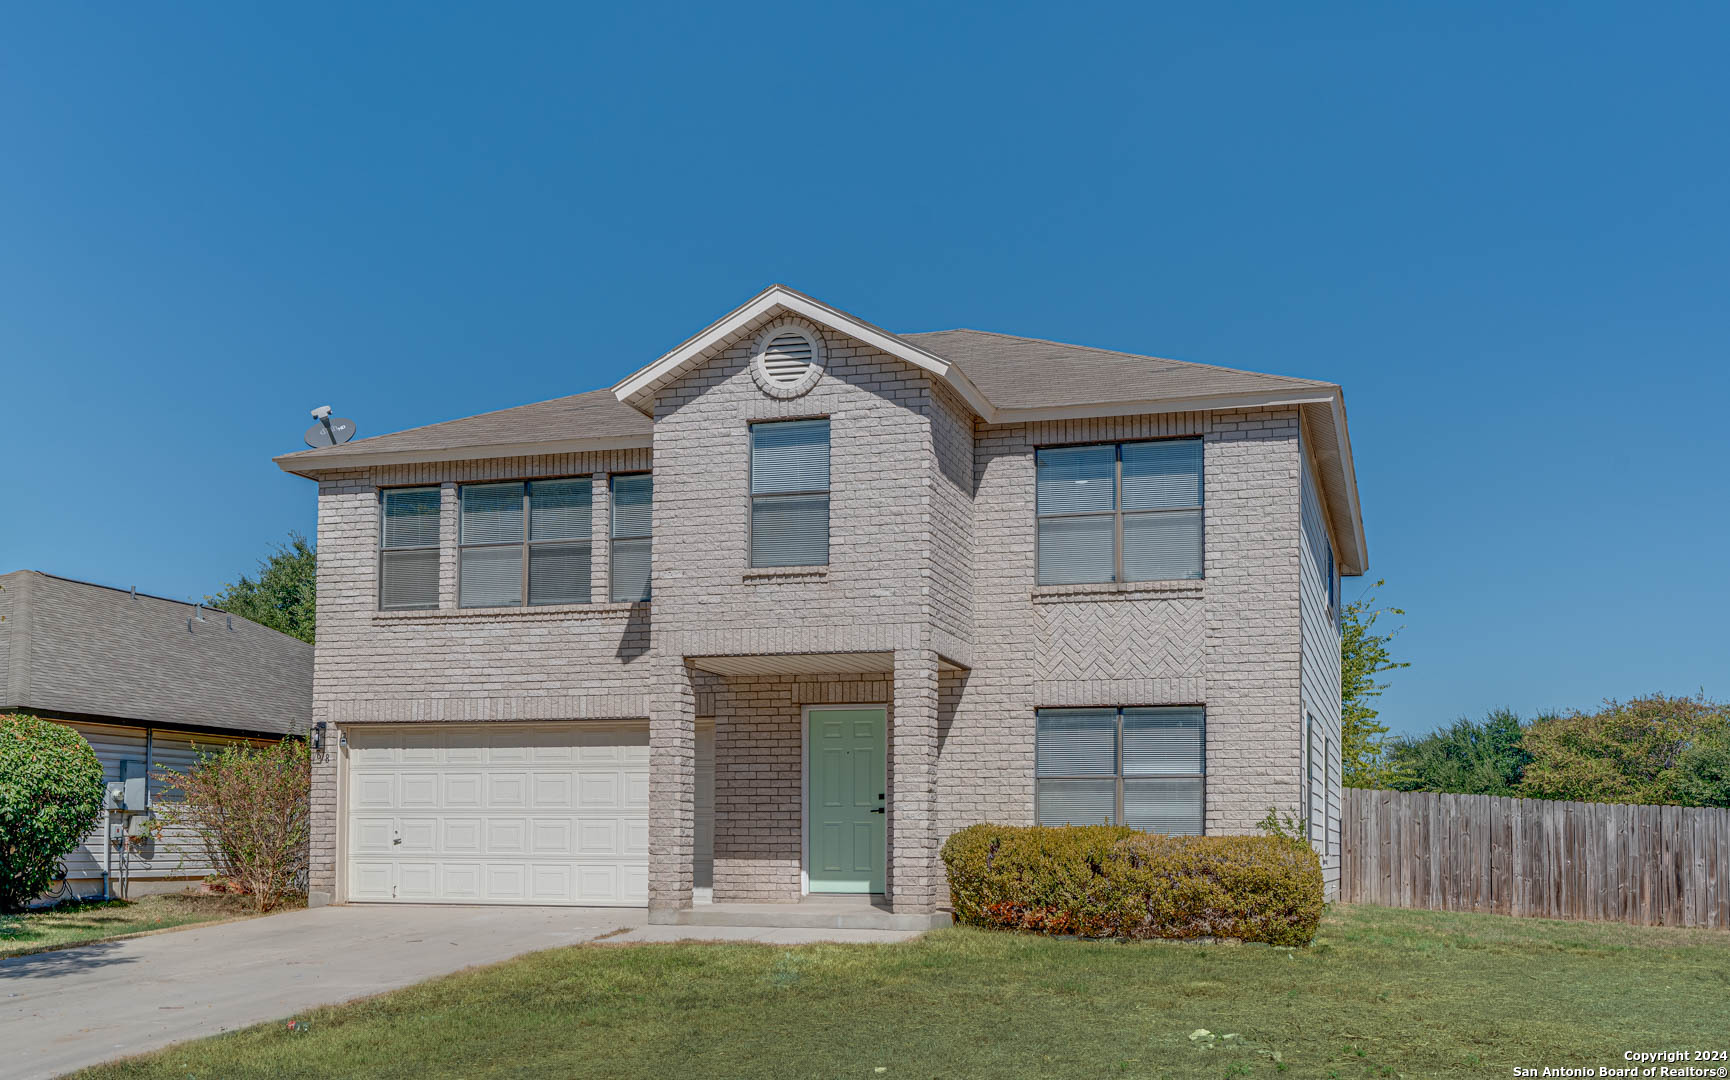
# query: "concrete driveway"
(61, 1011)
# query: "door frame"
(805, 787)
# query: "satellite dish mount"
(330, 430)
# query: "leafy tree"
(51, 791)
(1703, 772)
(1469, 757)
(1364, 655)
(1654, 749)
(283, 596)
(250, 806)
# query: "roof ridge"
(1119, 352)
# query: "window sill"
(1183, 589)
(770, 575)
(537, 611)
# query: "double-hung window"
(408, 562)
(1119, 512)
(525, 540)
(790, 493)
(1138, 767)
(633, 497)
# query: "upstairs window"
(408, 562)
(790, 493)
(1138, 767)
(1119, 512)
(525, 540)
(633, 496)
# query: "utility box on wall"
(130, 794)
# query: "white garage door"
(499, 814)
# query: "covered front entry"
(846, 799)
(499, 813)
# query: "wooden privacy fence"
(1649, 865)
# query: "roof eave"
(303, 463)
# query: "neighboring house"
(782, 610)
(149, 682)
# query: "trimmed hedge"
(1110, 881)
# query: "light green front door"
(846, 800)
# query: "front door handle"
(876, 809)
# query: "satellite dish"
(330, 430)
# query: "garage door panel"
(552, 836)
(507, 882)
(507, 836)
(598, 884)
(637, 789)
(419, 748)
(533, 813)
(550, 883)
(417, 880)
(460, 881)
(462, 790)
(634, 883)
(417, 836)
(370, 880)
(461, 835)
(371, 835)
(553, 791)
(418, 790)
(460, 752)
(374, 791)
(507, 790)
(598, 836)
(600, 790)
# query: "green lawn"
(76, 924)
(1382, 993)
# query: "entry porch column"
(672, 789)
(912, 871)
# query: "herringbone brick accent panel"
(1117, 639)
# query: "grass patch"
(1382, 993)
(83, 922)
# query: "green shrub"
(51, 792)
(250, 807)
(1109, 881)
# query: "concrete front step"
(816, 913)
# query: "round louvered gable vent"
(788, 358)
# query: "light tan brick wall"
(759, 776)
(570, 662)
(1229, 642)
(932, 554)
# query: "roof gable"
(638, 389)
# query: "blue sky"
(1503, 231)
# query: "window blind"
(1119, 512)
(790, 493)
(633, 497)
(492, 513)
(1140, 767)
(409, 561)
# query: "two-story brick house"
(777, 613)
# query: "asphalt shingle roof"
(1012, 372)
(77, 648)
(594, 414)
(1020, 372)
